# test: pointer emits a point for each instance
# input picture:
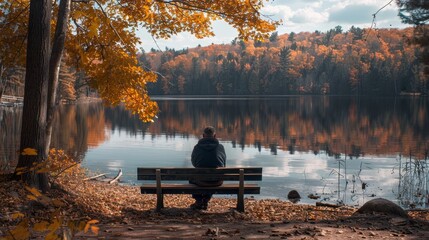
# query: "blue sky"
(297, 16)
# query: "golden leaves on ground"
(20, 231)
(38, 214)
(58, 162)
(90, 226)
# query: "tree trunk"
(1, 88)
(54, 67)
(1, 80)
(35, 92)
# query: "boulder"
(293, 196)
(384, 206)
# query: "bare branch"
(387, 4)
(63, 170)
(374, 15)
(156, 43)
(78, 25)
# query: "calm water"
(339, 148)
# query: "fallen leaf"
(29, 152)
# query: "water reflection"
(332, 124)
(338, 148)
(76, 128)
(10, 125)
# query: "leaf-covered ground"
(124, 213)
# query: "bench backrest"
(226, 174)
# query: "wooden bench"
(227, 174)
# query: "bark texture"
(35, 94)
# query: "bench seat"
(236, 175)
(191, 188)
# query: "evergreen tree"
(416, 12)
(274, 37)
(291, 37)
(284, 66)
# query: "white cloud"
(308, 15)
(278, 12)
(353, 14)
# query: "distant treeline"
(355, 62)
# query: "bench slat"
(207, 177)
(191, 188)
(227, 174)
(225, 170)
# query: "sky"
(297, 16)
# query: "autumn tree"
(100, 38)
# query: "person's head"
(209, 132)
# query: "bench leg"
(159, 202)
(240, 203)
(240, 196)
(159, 195)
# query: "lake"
(341, 149)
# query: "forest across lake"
(341, 149)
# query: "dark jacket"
(208, 153)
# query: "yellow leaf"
(95, 229)
(86, 228)
(21, 169)
(93, 30)
(17, 215)
(32, 197)
(92, 221)
(34, 191)
(43, 170)
(54, 225)
(81, 226)
(51, 236)
(41, 226)
(29, 151)
(78, 14)
(57, 203)
(20, 232)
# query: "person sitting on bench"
(208, 153)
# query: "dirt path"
(362, 227)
